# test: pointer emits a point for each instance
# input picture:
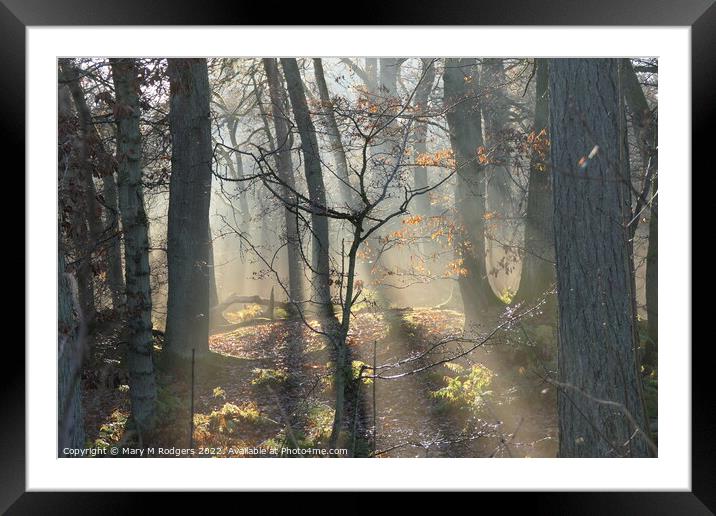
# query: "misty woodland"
(357, 257)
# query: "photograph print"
(347, 257)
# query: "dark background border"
(15, 15)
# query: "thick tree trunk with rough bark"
(463, 116)
(140, 362)
(538, 253)
(285, 173)
(189, 199)
(70, 423)
(601, 411)
(316, 190)
(348, 194)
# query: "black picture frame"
(700, 15)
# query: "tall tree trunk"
(316, 190)
(500, 199)
(496, 113)
(600, 402)
(189, 198)
(348, 194)
(385, 147)
(388, 143)
(645, 129)
(264, 115)
(388, 93)
(115, 274)
(463, 117)
(538, 260)
(74, 203)
(239, 172)
(91, 208)
(285, 171)
(422, 96)
(105, 169)
(371, 74)
(140, 363)
(319, 228)
(389, 72)
(70, 423)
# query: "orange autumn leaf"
(415, 219)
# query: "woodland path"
(410, 421)
(262, 379)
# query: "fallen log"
(227, 327)
(216, 314)
(249, 300)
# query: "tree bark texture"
(140, 361)
(189, 199)
(601, 412)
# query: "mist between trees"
(358, 257)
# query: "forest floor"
(269, 385)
